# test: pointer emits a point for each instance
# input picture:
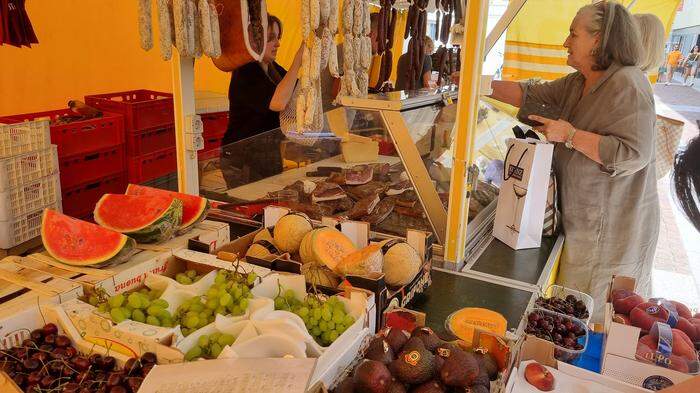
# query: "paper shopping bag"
(523, 196)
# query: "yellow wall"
(92, 46)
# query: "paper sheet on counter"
(231, 376)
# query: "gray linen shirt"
(610, 212)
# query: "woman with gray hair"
(604, 151)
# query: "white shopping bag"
(523, 195)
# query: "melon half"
(325, 246)
(145, 218)
(80, 243)
(194, 207)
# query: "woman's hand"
(554, 130)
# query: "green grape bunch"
(142, 306)
(188, 277)
(209, 346)
(325, 320)
(229, 295)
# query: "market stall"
(350, 250)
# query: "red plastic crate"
(142, 109)
(214, 123)
(151, 140)
(212, 142)
(86, 167)
(150, 166)
(79, 201)
(79, 136)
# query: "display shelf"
(451, 291)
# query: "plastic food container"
(562, 292)
(562, 353)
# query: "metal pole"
(183, 101)
(476, 15)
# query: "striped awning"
(535, 38)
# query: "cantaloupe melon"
(401, 263)
(325, 246)
(290, 230)
(263, 234)
(362, 262)
(319, 275)
(262, 249)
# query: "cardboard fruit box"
(359, 233)
(620, 347)
(131, 337)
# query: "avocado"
(429, 338)
(396, 338)
(371, 376)
(431, 386)
(413, 343)
(414, 366)
(487, 363)
(345, 386)
(396, 387)
(379, 350)
(460, 368)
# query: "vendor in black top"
(257, 93)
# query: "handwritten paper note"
(231, 376)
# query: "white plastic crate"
(24, 137)
(26, 167)
(28, 197)
(24, 227)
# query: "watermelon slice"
(80, 243)
(144, 218)
(194, 207)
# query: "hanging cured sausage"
(243, 30)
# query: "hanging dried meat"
(243, 32)
(357, 48)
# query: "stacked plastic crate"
(149, 131)
(213, 109)
(29, 180)
(90, 156)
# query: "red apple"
(538, 376)
(624, 300)
(682, 309)
(621, 318)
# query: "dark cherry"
(56, 368)
(40, 356)
(70, 387)
(59, 353)
(32, 388)
(71, 352)
(68, 372)
(149, 357)
(31, 364)
(34, 377)
(20, 379)
(102, 389)
(132, 367)
(46, 347)
(83, 376)
(96, 360)
(114, 379)
(50, 339)
(46, 381)
(50, 328)
(108, 363)
(62, 341)
(100, 377)
(146, 368)
(20, 353)
(118, 389)
(80, 363)
(85, 390)
(134, 383)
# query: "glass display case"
(385, 159)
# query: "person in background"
(652, 33)
(690, 65)
(672, 60)
(603, 153)
(424, 81)
(257, 93)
